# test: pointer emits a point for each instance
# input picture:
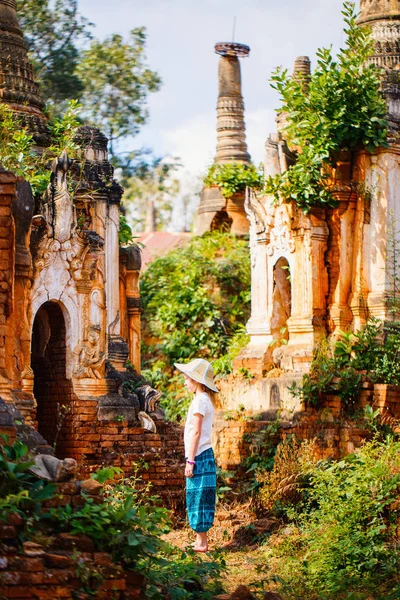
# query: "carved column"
(7, 279)
(132, 261)
(309, 282)
(20, 333)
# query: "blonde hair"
(213, 395)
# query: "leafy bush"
(129, 525)
(343, 542)
(20, 491)
(339, 108)
(196, 301)
(374, 349)
(233, 177)
(328, 375)
(17, 146)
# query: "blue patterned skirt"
(201, 492)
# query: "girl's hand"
(189, 470)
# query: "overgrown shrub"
(128, 524)
(374, 349)
(343, 542)
(233, 177)
(196, 301)
(286, 483)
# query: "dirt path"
(240, 537)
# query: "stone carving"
(89, 356)
(60, 215)
(147, 422)
(255, 210)
(281, 239)
(51, 468)
(144, 398)
(149, 398)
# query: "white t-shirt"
(202, 405)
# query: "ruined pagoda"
(215, 211)
(18, 88)
(332, 269)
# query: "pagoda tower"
(18, 88)
(383, 16)
(215, 211)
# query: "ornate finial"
(232, 49)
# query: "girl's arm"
(194, 443)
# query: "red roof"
(159, 243)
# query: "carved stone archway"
(52, 390)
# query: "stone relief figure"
(90, 358)
(62, 209)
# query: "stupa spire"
(231, 129)
(383, 16)
(17, 84)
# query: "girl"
(200, 471)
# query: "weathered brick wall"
(335, 432)
(95, 444)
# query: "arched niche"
(281, 300)
(53, 391)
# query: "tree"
(53, 32)
(116, 83)
(110, 78)
(150, 191)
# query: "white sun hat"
(199, 370)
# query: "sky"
(180, 47)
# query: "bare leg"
(201, 544)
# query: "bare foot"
(200, 548)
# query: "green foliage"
(17, 147)
(54, 31)
(261, 457)
(233, 177)
(340, 108)
(125, 235)
(116, 82)
(128, 531)
(150, 186)
(329, 374)
(223, 365)
(196, 297)
(106, 473)
(343, 537)
(195, 300)
(181, 575)
(20, 491)
(374, 349)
